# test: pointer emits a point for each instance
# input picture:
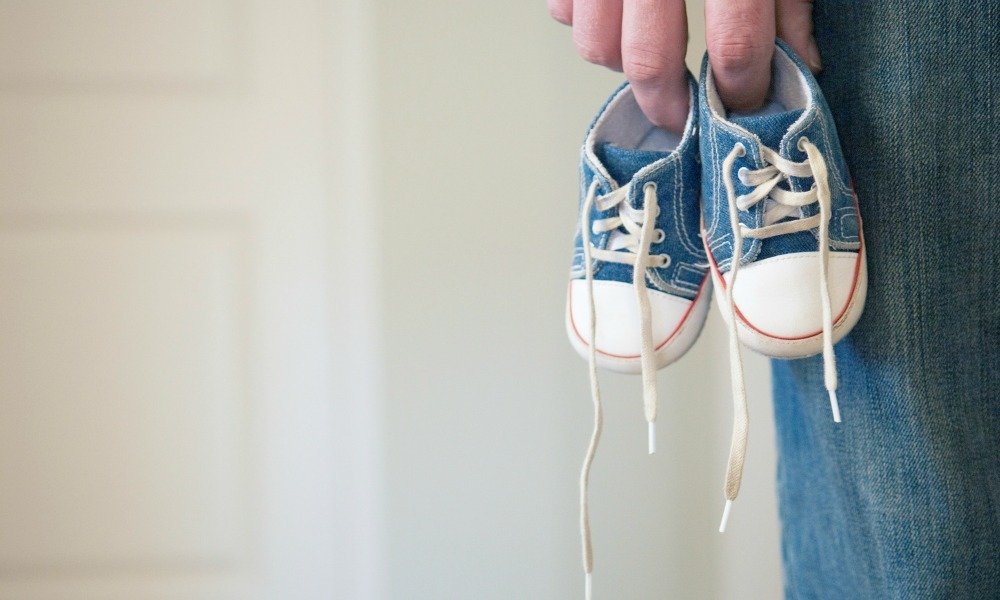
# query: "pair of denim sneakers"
(763, 196)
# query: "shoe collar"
(622, 123)
(790, 86)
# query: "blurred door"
(166, 392)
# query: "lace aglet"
(652, 437)
(587, 593)
(834, 406)
(725, 516)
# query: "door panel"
(169, 403)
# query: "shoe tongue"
(623, 163)
(769, 125)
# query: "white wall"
(480, 107)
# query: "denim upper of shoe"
(623, 148)
(805, 114)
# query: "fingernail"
(813, 60)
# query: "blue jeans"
(900, 501)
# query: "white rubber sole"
(798, 347)
(669, 350)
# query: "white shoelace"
(786, 203)
(638, 236)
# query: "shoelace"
(786, 203)
(638, 236)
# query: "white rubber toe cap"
(676, 322)
(779, 305)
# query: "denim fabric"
(719, 136)
(900, 500)
(677, 176)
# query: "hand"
(647, 39)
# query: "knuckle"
(736, 53)
(737, 45)
(598, 52)
(643, 65)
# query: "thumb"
(795, 26)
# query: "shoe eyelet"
(649, 185)
(742, 175)
(664, 260)
(741, 150)
(802, 142)
(660, 236)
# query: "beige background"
(281, 290)
(481, 109)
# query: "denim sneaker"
(639, 189)
(779, 210)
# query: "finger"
(597, 31)
(795, 26)
(562, 11)
(740, 37)
(654, 42)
